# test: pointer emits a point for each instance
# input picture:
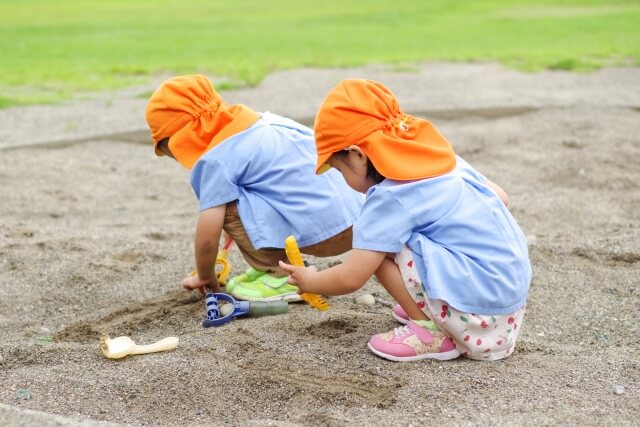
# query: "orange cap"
(188, 110)
(366, 113)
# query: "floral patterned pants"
(480, 337)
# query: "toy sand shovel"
(120, 347)
(295, 258)
(222, 264)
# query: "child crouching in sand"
(253, 176)
(436, 233)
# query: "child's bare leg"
(264, 259)
(389, 276)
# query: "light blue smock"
(269, 169)
(467, 248)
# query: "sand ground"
(96, 233)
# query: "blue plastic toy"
(240, 308)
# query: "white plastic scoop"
(120, 347)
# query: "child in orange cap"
(436, 233)
(246, 171)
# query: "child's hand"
(299, 276)
(194, 282)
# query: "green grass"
(51, 50)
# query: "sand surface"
(96, 234)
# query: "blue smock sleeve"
(384, 224)
(213, 183)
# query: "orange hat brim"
(322, 161)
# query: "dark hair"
(372, 172)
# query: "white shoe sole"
(445, 355)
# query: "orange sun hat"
(366, 113)
(189, 111)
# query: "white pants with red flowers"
(480, 337)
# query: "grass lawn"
(55, 49)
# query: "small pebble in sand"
(23, 394)
(225, 309)
(532, 240)
(618, 389)
(365, 299)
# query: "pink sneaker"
(412, 342)
(400, 315)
